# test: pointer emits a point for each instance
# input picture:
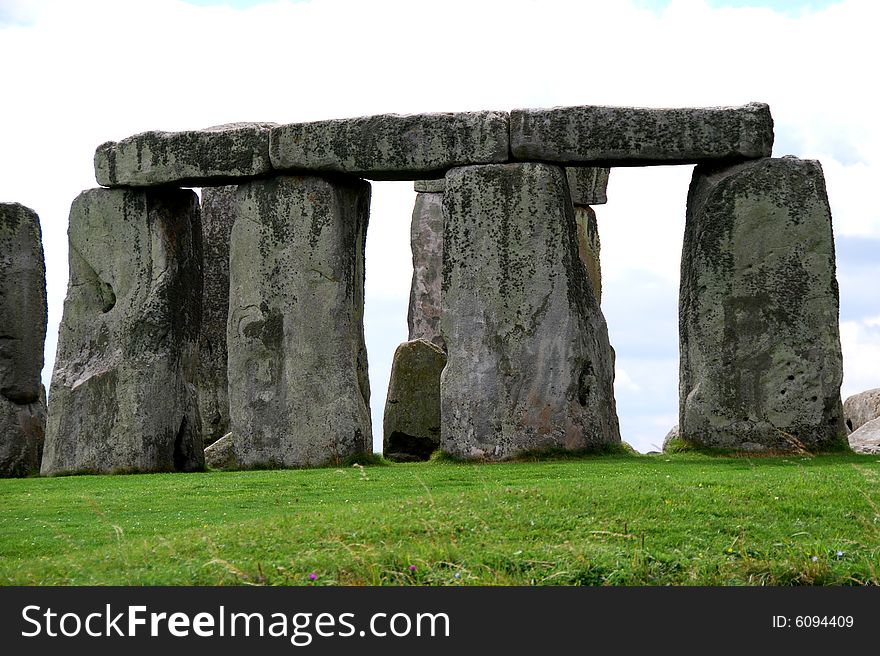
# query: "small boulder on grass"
(221, 454)
(866, 438)
(861, 408)
(672, 438)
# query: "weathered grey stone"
(22, 334)
(589, 247)
(861, 408)
(122, 392)
(412, 407)
(588, 184)
(529, 363)
(761, 364)
(221, 454)
(430, 186)
(866, 438)
(673, 434)
(218, 155)
(426, 239)
(636, 136)
(298, 387)
(392, 146)
(217, 219)
(22, 303)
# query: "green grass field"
(603, 520)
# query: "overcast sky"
(75, 74)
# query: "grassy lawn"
(604, 520)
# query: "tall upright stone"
(298, 388)
(761, 362)
(589, 247)
(529, 363)
(217, 219)
(426, 239)
(123, 395)
(22, 334)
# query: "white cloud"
(75, 74)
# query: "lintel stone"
(639, 136)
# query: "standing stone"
(761, 364)
(589, 247)
(298, 388)
(426, 238)
(412, 407)
(861, 408)
(123, 395)
(529, 363)
(22, 334)
(217, 220)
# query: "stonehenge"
(241, 316)
(22, 334)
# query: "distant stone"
(673, 434)
(861, 408)
(589, 247)
(223, 154)
(529, 363)
(761, 363)
(866, 438)
(412, 406)
(426, 240)
(392, 146)
(299, 393)
(123, 395)
(636, 136)
(588, 184)
(217, 219)
(430, 186)
(22, 334)
(221, 454)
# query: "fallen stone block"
(761, 363)
(861, 408)
(221, 454)
(412, 406)
(299, 392)
(392, 146)
(224, 154)
(637, 136)
(866, 438)
(529, 363)
(123, 397)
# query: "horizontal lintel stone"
(393, 146)
(637, 136)
(219, 155)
